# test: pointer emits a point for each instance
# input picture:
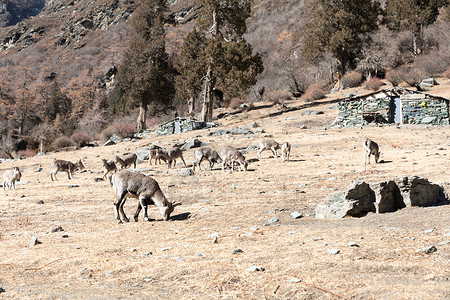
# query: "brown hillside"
(99, 259)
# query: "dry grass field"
(96, 258)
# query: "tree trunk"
(41, 146)
(141, 117)
(207, 105)
(191, 105)
(417, 41)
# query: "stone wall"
(424, 110)
(362, 111)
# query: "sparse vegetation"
(315, 91)
(373, 84)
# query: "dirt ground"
(96, 258)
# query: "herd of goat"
(137, 185)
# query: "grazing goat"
(153, 154)
(171, 155)
(268, 145)
(208, 153)
(285, 151)
(10, 177)
(370, 147)
(127, 161)
(108, 166)
(59, 165)
(232, 154)
(146, 189)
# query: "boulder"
(417, 191)
(388, 197)
(193, 143)
(142, 154)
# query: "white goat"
(268, 145)
(10, 177)
(108, 166)
(285, 151)
(208, 153)
(232, 154)
(59, 165)
(146, 189)
(370, 148)
(170, 155)
(127, 161)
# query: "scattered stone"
(332, 251)
(236, 251)
(40, 202)
(312, 112)
(38, 170)
(296, 215)
(148, 253)
(254, 228)
(108, 274)
(429, 249)
(444, 243)
(273, 220)
(180, 258)
(147, 279)
(2, 290)
(429, 231)
(186, 172)
(255, 269)
(34, 241)
(70, 186)
(165, 249)
(133, 250)
(57, 229)
(64, 236)
(215, 240)
(352, 244)
(295, 280)
(193, 143)
(198, 255)
(447, 234)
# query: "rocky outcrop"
(388, 196)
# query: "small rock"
(133, 250)
(255, 269)
(34, 241)
(199, 255)
(186, 172)
(444, 243)
(429, 249)
(295, 280)
(40, 202)
(2, 290)
(236, 251)
(64, 236)
(167, 248)
(108, 274)
(99, 179)
(447, 234)
(429, 231)
(352, 244)
(273, 220)
(148, 253)
(147, 279)
(180, 258)
(296, 215)
(57, 229)
(70, 186)
(215, 240)
(333, 251)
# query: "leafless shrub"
(81, 138)
(27, 152)
(446, 74)
(63, 142)
(122, 129)
(315, 91)
(277, 95)
(373, 84)
(432, 64)
(396, 76)
(236, 102)
(413, 77)
(351, 79)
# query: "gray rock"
(166, 248)
(312, 112)
(34, 241)
(180, 258)
(444, 243)
(236, 251)
(148, 253)
(357, 201)
(186, 172)
(198, 255)
(64, 236)
(70, 186)
(296, 215)
(40, 202)
(332, 251)
(59, 228)
(98, 179)
(255, 269)
(142, 154)
(193, 143)
(273, 220)
(352, 244)
(429, 249)
(417, 191)
(295, 280)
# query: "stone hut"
(394, 105)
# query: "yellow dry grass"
(100, 259)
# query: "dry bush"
(396, 76)
(351, 79)
(446, 74)
(373, 84)
(277, 95)
(235, 103)
(63, 142)
(27, 153)
(315, 91)
(432, 64)
(122, 129)
(81, 138)
(414, 77)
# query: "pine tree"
(340, 28)
(225, 60)
(145, 78)
(414, 16)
